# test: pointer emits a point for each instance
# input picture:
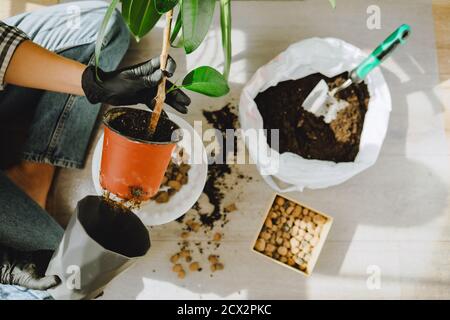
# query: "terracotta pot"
(132, 168)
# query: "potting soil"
(209, 215)
(301, 132)
(135, 124)
(221, 120)
(114, 227)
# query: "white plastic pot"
(100, 243)
(330, 57)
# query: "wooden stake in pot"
(161, 95)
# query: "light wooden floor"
(441, 12)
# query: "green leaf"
(207, 81)
(126, 11)
(225, 22)
(176, 31)
(197, 16)
(163, 6)
(141, 16)
(333, 3)
(102, 33)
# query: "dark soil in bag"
(301, 132)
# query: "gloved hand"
(26, 269)
(133, 85)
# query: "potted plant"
(138, 144)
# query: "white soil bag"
(330, 57)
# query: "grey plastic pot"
(101, 241)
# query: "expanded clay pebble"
(162, 197)
(265, 235)
(176, 185)
(185, 253)
(217, 267)
(195, 266)
(230, 208)
(213, 259)
(185, 235)
(260, 245)
(279, 201)
(175, 178)
(177, 268)
(181, 274)
(297, 211)
(193, 226)
(175, 258)
(270, 248)
(215, 264)
(319, 220)
(282, 251)
(314, 241)
(290, 233)
(294, 243)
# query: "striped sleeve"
(10, 39)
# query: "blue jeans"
(49, 127)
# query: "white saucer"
(152, 213)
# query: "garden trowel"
(323, 102)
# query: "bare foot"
(35, 179)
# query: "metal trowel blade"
(316, 100)
(321, 103)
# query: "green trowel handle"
(384, 50)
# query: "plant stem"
(161, 95)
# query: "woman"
(45, 79)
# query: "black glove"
(133, 85)
(26, 269)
